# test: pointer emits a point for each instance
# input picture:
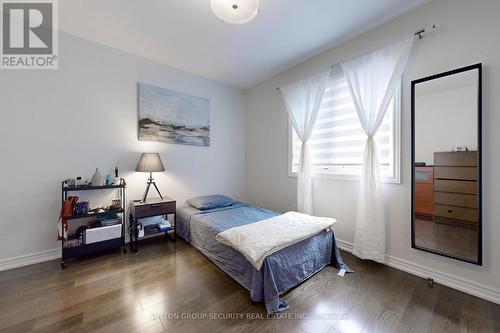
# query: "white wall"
(467, 33)
(444, 120)
(59, 124)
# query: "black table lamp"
(150, 162)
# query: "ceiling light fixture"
(235, 11)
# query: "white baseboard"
(467, 286)
(35, 258)
(346, 246)
(29, 259)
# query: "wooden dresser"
(455, 187)
(424, 192)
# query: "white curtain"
(303, 100)
(372, 80)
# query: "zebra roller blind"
(338, 140)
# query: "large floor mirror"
(446, 164)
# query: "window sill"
(346, 177)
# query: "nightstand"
(151, 208)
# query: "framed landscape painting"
(173, 117)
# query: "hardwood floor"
(163, 285)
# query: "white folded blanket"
(258, 240)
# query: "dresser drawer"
(464, 158)
(456, 186)
(424, 199)
(456, 199)
(458, 173)
(456, 213)
(154, 209)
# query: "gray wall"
(444, 120)
(467, 33)
(63, 123)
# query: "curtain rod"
(420, 34)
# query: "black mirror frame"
(479, 166)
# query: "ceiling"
(186, 35)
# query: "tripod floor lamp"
(150, 162)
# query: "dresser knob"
(449, 210)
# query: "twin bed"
(280, 271)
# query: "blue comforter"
(281, 271)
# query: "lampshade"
(150, 162)
(235, 11)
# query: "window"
(338, 139)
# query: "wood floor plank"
(392, 304)
(419, 311)
(479, 316)
(448, 311)
(144, 292)
(22, 326)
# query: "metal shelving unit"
(85, 249)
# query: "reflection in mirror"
(446, 156)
